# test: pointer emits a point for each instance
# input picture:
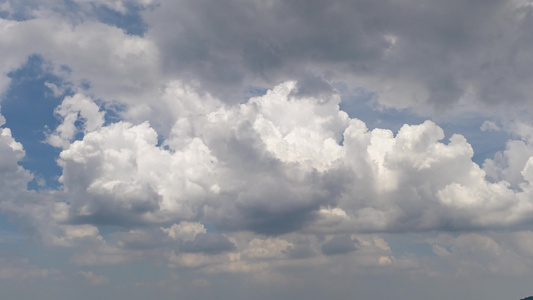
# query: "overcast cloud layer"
(266, 149)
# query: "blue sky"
(265, 149)
(29, 109)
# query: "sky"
(266, 149)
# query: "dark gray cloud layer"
(434, 50)
(208, 243)
(338, 245)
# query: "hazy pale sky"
(266, 149)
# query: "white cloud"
(300, 130)
(133, 180)
(56, 90)
(13, 178)
(508, 164)
(118, 67)
(93, 279)
(71, 110)
(472, 254)
(268, 248)
(21, 269)
(489, 126)
(75, 235)
(185, 231)
(229, 163)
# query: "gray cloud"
(300, 249)
(17, 269)
(231, 43)
(313, 85)
(277, 204)
(208, 243)
(93, 279)
(146, 238)
(340, 244)
(434, 51)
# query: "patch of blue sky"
(359, 104)
(8, 231)
(17, 10)
(254, 91)
(28, 107)
(161, 142)
(112, 110)
(210, 228)
(130, 21)
(411, 244)
(4, 14)
(484, 143)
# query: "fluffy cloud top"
(272, 165)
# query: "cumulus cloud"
(71, 110)
(133, 180)
(508, 164)
(256, 167)
(13, 177)
(281, 163)
(338, 245)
